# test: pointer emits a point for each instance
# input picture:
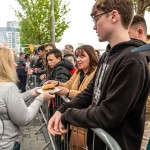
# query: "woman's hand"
(47, 96)
(34, 91)
(64, 91)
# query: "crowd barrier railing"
(63, 142)
(32, 83)
(107, 139)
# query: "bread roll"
(48, 86)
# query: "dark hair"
(69, 46)
(21, 53)
(148, 38)
(27, 56)
(41, 48)
(70, 55)
(139, 20)
(35, 50)
(91, 53)
(124, 8)
(97, 52)
(65, 52)
(57, 53)
(50, 44)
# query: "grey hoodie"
(14, 113)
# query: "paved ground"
(30, 141)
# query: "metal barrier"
(63, 142)
(107, 139)
(32, 83)
(104, 136)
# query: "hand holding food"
(34, 91)
(63, 91)
(47, 96)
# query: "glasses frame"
(94, 17)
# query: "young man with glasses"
(115, 98)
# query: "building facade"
(10, 36)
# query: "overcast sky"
(80, 29)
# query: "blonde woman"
(13, 110)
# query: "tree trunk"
(141, 7)
(140, 13)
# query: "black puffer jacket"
(61, 72)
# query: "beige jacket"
(74, 82)
(78, 135)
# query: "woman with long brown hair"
(87, 64)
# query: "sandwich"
(48, 87)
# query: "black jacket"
(61, 72)
(21, 63)
(120, 109)
(40, 62)
(34, 60)
(40, 67)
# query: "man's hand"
(30, 72)
(55, 126)
(43, 76)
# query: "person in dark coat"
(60, 68)
(39, 66)
(60, 71)
(34, 59)
(22, 73)
(138, 30)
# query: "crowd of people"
(39, 65)
(108, 91)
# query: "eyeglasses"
(94, 17)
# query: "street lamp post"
(52, 22)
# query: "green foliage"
(27, 50)
(35, 20)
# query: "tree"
(141, 6)
(35, 20)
